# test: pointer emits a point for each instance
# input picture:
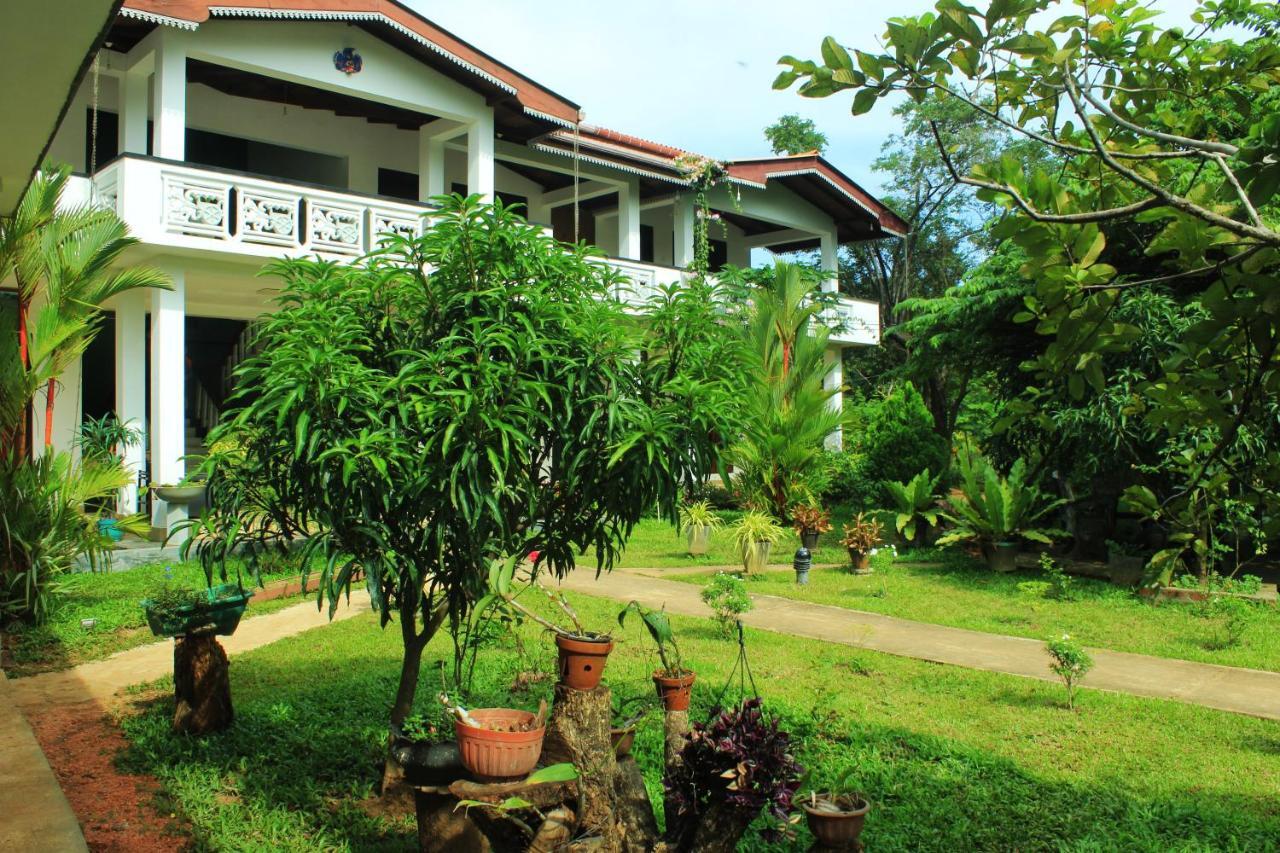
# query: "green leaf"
(563, 772)
(864, 101)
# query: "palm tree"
(788, 412)
(64, 260)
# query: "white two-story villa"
(231, 132)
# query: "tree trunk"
(201, 685)
(578, 732)
(48, 413)
(415, 643)
(719, 830)
(445, 829)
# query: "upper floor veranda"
(234, 133)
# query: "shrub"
(1070, 662)
(897, 441)
(845, 480)
(1231, 618)
(1060, 584)
(727, 597)
(740, 760)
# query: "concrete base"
(37, 815)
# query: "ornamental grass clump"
(732, 769)
(1070, 662)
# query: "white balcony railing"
(178, 206)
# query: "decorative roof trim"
(609, 164)
(548, 117)
(614, 148)
(338, 15)
(154, 18)
(795, 172)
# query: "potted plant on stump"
(810, 522)
(997, 513)
(673, 681)
(859, 538)
(582, 653)
(498, 744)
(699, 522)
(195, 618)
(754, 535)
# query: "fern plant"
(915, 504)
(992, 509)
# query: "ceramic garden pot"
(860, 562)
(674, 692)
(582, 660)
(492, 755)
(809, 539)
(221, 615)
(836, 822)
(179, 494)
(621, 740)
(756, 559)
(698, 536)
(1002, 556)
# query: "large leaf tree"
(1168, 135)
(469, 394)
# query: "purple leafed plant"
(741, 759)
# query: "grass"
(952, 759)
(963, 593)
(111, 598)
(654, 543)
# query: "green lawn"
(655, 544)
(952, 759)
(112, 598)
(963, 593)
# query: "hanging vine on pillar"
(703, 175)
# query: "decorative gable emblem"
(348, 61)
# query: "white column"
(682, 231)
(168, 394)
(830, 262)
(835, 380)
(131, 386)
(170, 128)
(629, 220)
(430, 166)
(134, 106)
(480, 156)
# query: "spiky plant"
(915, 504)
(991, 508)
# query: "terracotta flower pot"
(836, 822)
(621, 740)
(674, 692)
(860, 562)
(499, 755)
(582, 660)
(698, 537)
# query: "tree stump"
(201, 685)
(443, 829)
(636, 821)
(578, 732)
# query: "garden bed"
(296, 770)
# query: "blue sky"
(692, 73)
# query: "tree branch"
(1029, 209)
(1168, 138)
(1240, 193)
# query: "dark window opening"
(718, 255)
(397, 184)
(646, 243)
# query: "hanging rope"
(576, 127)
(742, 669)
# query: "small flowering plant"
(1070, 662)
(740, 759)
(806, 518)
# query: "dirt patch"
(116, 810)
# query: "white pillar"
(168, 394)
(682, 231)
(830, 262)
(430, 166)
(629, 220)
(480, 156)
(835, 380)
(134, 106)
(131, 386)
(170, 128)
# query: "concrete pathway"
(37, 815)
(100, 680)
(1242, 691)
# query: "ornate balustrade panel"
(198, 207)
(269, 217)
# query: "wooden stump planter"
(201, 685)
(674, 691)
(836, 821)
(582, 660)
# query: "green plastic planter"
(221, 615)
